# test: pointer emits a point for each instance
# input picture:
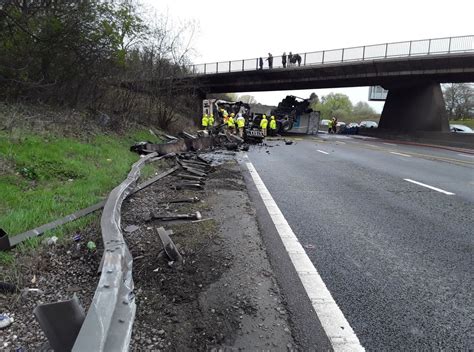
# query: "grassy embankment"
(43, 178)
(465, 122)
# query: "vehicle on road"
(460, 129)
(368, 124)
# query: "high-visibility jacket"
(240, 122)
(205, 121)
(330, 124)
(273, 125)
(230, 122)
(263, 123)
(211, 120)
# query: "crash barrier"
(7, 242)
(435, 46)
(108, 323)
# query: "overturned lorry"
(293, 115)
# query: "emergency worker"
(263, 125)
(205, 121)
(330, 126)
(211, 121)
(231, 123)
(273, 126)
(241, 124)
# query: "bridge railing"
(436, 46)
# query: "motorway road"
(396, 256)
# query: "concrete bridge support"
(415, 108)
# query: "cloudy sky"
(233, 30)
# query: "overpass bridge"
(411, 71)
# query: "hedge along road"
(395, 255)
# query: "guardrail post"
(205, 68)
(256, 64)
(386, 49)
(304, 64)
(342, 58)
(229, 66)
(194, 69)
(217, 67)
(363, 53)
(243, 68)
(429, 47)
(409, 50)
(322, 61)
(449, 46)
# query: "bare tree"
(459, 100)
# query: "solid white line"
(430, 187)
(338, 330)
(338, 142)
(322, 151)
(393, 145)
(466, 155)
(408, 156)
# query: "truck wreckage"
(293, 115)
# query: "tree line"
(89, 54)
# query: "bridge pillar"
(415, 108)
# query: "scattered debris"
(77, 237)
(6, 287)
(169, 246)
(183, 200)
(288, 142)
(131, 228)
(50, 241)
(170, 217)
(91, 246)
(5, 321)
(180, 186)
(26, 291)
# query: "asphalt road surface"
(390, 229)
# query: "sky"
(233, 30)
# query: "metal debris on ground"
(170, 217)
(183, 200)
(180, 186)
(169, 246)
(288, 142)
(191, 177)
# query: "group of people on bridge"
(290, 59)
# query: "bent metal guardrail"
(109, 321)
(436, 46)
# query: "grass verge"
(45, 177)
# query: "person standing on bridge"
(205, 121)
(241, 124)
(263, 125)
(270, 60)
(283, 59)
(273, 126)
(290, 58)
